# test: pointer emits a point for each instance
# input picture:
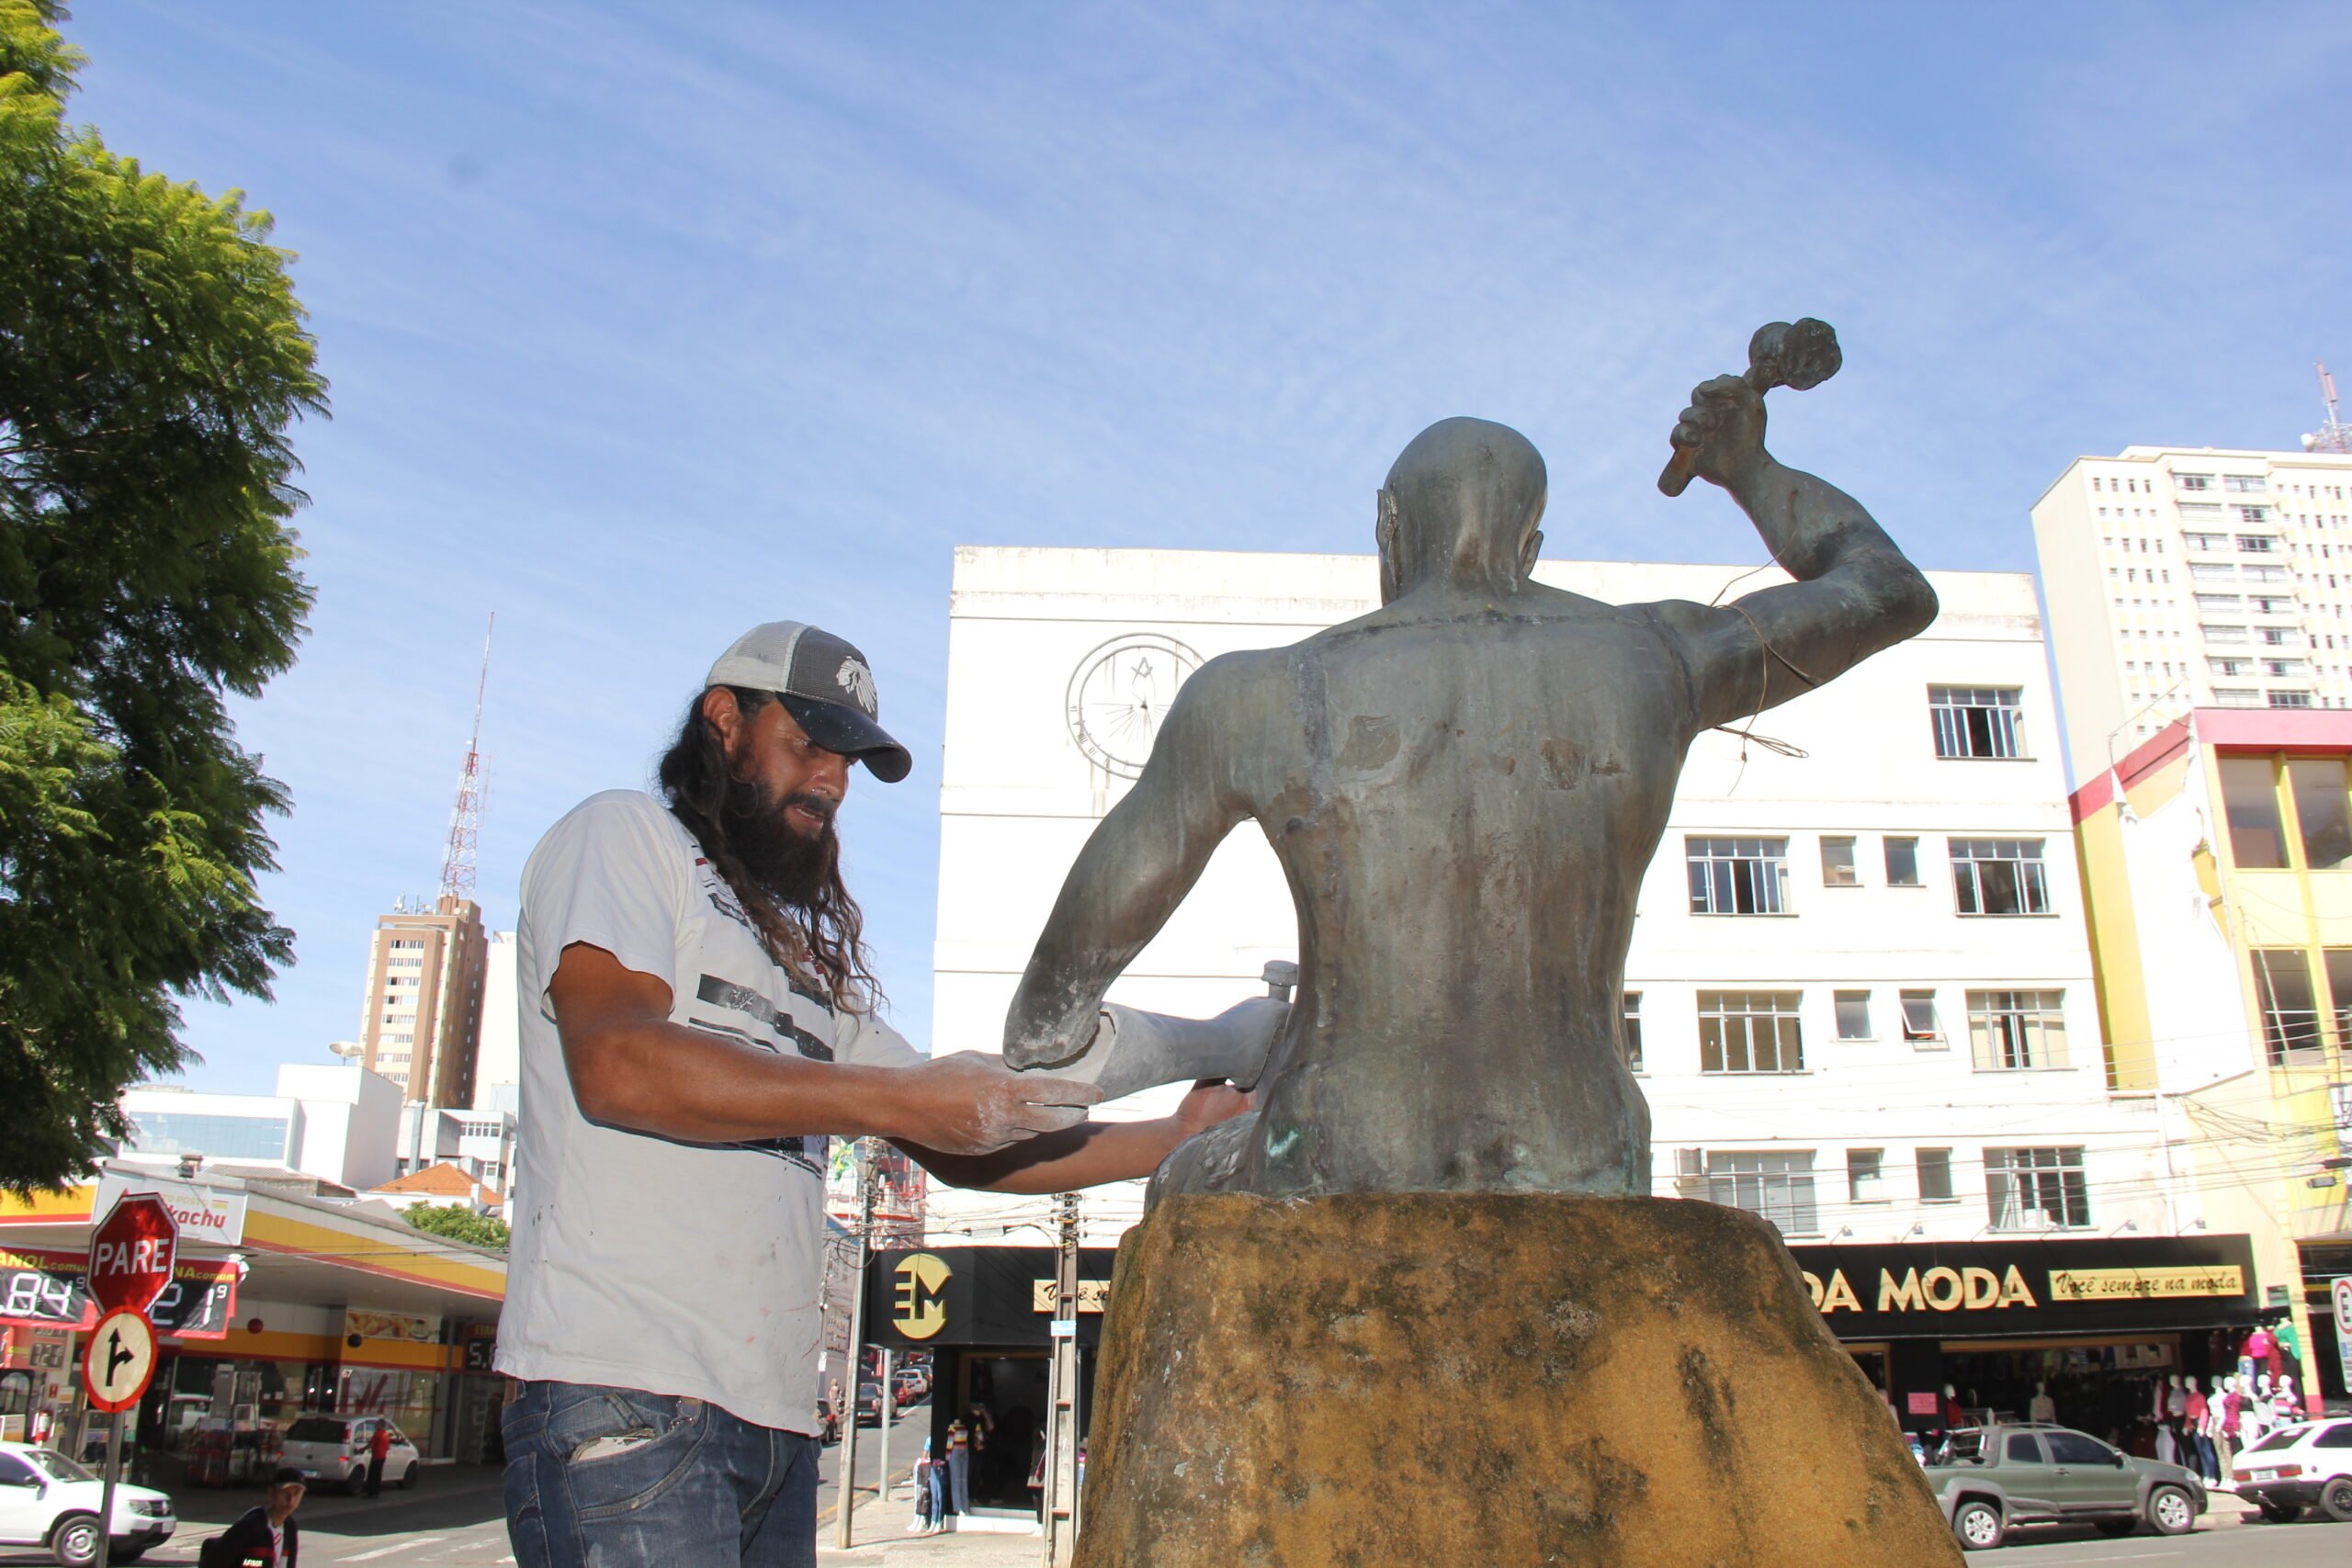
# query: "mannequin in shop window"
(2199, 1437)
(2041, 1407)
(2286, 1406)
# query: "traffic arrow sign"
(131, 1252)
(119, 1361)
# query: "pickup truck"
(1991, 1478)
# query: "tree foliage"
(153, 361)
(459, 1223)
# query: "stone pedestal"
(1431, 1379)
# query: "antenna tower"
(465, 818)
(2334, 435)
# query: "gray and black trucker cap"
(825, 685)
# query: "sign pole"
(866, 1173)
(106, 1492)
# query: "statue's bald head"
(1462, 503)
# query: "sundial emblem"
(1121, 693)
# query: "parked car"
(2299, 1467)
(908, 1387)
(333, 1449)
(50, 1503)
(869, 1404)
(1991, 1478)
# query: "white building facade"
(1859, 991)
(2195, 576)
(336, 1123)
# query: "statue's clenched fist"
(1721, 434)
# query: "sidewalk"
(882, 1537)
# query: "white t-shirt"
(678, 1268)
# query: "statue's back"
(1469, 803)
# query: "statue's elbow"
(1912, 604)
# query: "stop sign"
(131, 1252)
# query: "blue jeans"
(614, 1478)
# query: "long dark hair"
(818, 934)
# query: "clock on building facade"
(1120, 694)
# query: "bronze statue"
(1464, 788)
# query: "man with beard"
(698, 1018)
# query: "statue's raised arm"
(1855, 593)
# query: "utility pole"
(1060, 1508)
(867, 1175)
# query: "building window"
(2192, 482)
(2223, 634)
(1749, 1032)
(1838, 863)
(2230, 666)
(2250, 800)
(2339, 985)
(215, 1136)
(2319, 815)
(2290, 699)
(1738, 876)
(1902, 862)
(2257, 544)
(1776, 1184)
(1865, 1176)
(1631, 1031)
(1853, 1015)
(1920, 1017)
(2236, 697)
(2220, 602)
(2243, 484)
(2034, 1190)
(1999, 876)
(1976, 721)
(2254, 514)
(2282, 979)
(1935, 1175)
(2015, 1031)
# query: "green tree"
(460, 1224)
(153, 360)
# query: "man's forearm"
(680, 1083)
(1061, 1162)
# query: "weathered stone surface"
(1481, 1379)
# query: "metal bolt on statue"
(1464, 788)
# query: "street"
(455, 1520)
(2218, 1539)
(456, 1516)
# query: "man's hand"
(973, 1104)
(1210, 1103)
(1723, 430)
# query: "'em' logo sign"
(917, 1312)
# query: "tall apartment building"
(421, 1023)
(2180, 578)
(1859, 996)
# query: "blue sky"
(649, 323)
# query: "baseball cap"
(825, 685)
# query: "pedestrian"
(379, 1449)
(698, 1016)
(264, 1536)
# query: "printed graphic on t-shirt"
(747, 1006)
(722, 898)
